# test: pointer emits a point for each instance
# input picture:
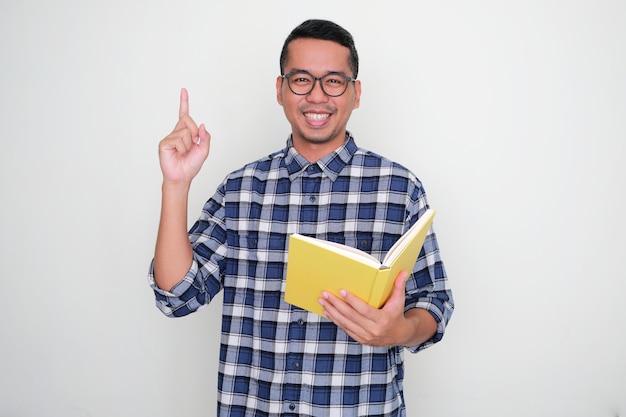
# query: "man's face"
(318, 121)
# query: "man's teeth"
(316, 116)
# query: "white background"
(511, 113)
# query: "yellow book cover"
(315, 265)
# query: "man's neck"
(314, 151)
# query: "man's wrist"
(420, 325)
(175, 187)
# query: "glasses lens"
(334, 84)
(301, 82)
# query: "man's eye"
(335, 81)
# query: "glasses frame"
(315, 79)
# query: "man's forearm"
(423, 324)
(173, 253)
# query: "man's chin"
(317, 139)
(320, 137)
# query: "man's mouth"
(316, 116)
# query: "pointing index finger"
(184, 103)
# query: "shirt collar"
(331, 164)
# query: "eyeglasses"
(333, 84)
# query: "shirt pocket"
(256, 261)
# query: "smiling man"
(277, 359)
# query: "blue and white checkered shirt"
(277, 359)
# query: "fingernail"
(197, 140)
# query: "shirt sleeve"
(428, 287)
(204, 279)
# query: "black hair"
(324, 30)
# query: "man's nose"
(317, 93)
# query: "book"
(316, 265)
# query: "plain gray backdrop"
(511, 113)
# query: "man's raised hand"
(182, 152)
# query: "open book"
(316, 265)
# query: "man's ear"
(279, 90)
(357, 94)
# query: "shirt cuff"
(439, 317)
(178, 289)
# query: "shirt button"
(292, 406)
(296, 365)
(312, 198)
(300, 322)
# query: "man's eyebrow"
(327, 73)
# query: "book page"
(405, 239)
(350, 252)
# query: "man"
(277, 359)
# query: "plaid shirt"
(276, 359)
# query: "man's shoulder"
(259, 167)
(371, 159)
